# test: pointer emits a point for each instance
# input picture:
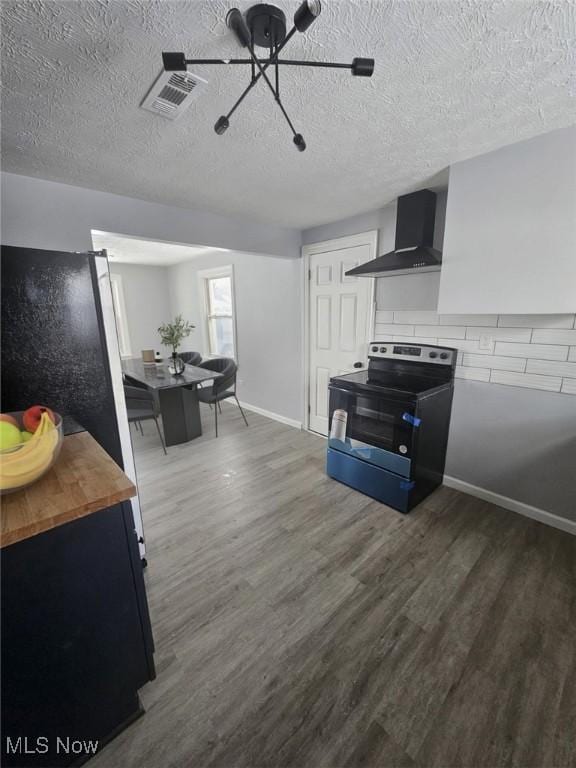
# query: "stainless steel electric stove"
(389, 424)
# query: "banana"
(34, 461)
(18, 481)
(27, 464)
(26, 474)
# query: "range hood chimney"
(413, 251)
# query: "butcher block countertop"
(83, 480)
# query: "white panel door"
(340, 317)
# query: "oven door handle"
(414, 420)
(334, 388)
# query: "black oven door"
(373, 427)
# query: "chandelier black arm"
(325, 64)
(276, 71)
(244, 61)
(262, 72)
(269, 62)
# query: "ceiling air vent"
(172, 93)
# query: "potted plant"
(171, 335)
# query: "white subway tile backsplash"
(392, 328)
(478, 374)
(447, 331)
(416, 316)
(417, 339)
(553, 336)
(551, 368)
(500, 334)
(399, 330)
(462, 345)
(532, 381)
(403, 339)
(496, 362)
(487, 320)
(539, 351)
(536, 351)
(536, 321)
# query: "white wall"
(44, 214)
(147, 298)
(268, 325)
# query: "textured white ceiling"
(453, 79)
(135, 250)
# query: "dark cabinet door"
(74, 645)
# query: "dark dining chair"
(128, 380)
(191, 358)
(221, 388)
(142, 406)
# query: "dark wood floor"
(298, 623)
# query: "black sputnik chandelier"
(265, 26)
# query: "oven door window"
(374, 420)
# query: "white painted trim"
(269, 414)
(548, 518)
(123, 329)
(305, 309)
(350, 241)
(202, 276)
(113, 351)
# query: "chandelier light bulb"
(306, 14)
(363, 67)
(300, 143)
(221, 125)
(235, 22)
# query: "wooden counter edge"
(78, 443)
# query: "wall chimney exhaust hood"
(413, 251)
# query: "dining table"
(176, 395)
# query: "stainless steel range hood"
(413, 251)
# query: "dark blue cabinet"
(76, 637)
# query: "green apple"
(25, 436)
(9, 436)
(8, 418)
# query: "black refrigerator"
(60, 346)
(77, 642)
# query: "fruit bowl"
(26, 461)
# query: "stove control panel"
(422, 353)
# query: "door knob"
(358, 365)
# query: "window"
(219, 302)
(120, 312)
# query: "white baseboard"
(548, 518)
(268, 414)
